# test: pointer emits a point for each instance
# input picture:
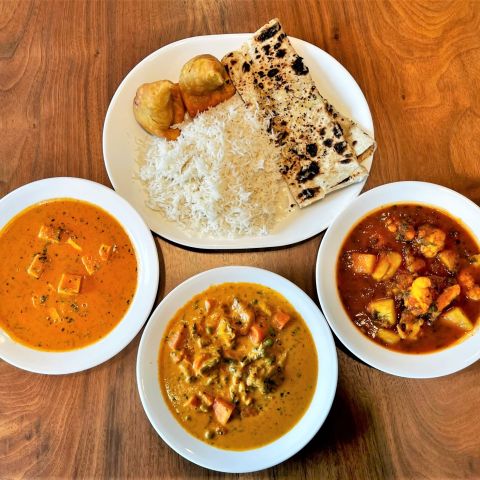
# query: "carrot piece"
(193, 402)
(280, 319)
(258, 331)
(222, 410)
(177, 338)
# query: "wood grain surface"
(418, 63)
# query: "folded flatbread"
(321, 149)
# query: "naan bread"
(319, 146)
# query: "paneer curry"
(67, 277)
(409, 278)
(238, 366)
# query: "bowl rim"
(76, 360)
(197, 451)
(426, 365)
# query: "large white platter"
(121, 135)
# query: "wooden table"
(418, 64)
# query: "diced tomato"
(258, 331)
(280, 319)
(222, 410)
(177, 338)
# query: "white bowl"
(425, 365)
(147, 283)
(190, 447)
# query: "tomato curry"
(409, 278)
(238, 366)
(67, 276)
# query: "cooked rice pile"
(220, 177)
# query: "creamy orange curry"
(67, 276)
(238, 366)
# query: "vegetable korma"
(67, 276)
(238, 366)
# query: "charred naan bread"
(320, 148)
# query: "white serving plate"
(121, 134)
(425, 365)
(81, 359)
(190, 447)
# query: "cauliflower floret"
(431, 240)
(419, 297)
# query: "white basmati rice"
(219, 178)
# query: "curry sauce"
(238, 366)
(409, 278)
(67, 277)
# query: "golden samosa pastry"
(157, 106)
(204, 83)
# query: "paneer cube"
(456, 316)
(387, 266)
(222, 410)
(49, 234)
(383, 311)
(449, 258)
(37, 266)
(104, 252)
(431, 240)
(176, 338)
(54, 315)
(280, 319)
(91, 265)
(69, 284)
(363, 262)
(74, 244)
(388, 336)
